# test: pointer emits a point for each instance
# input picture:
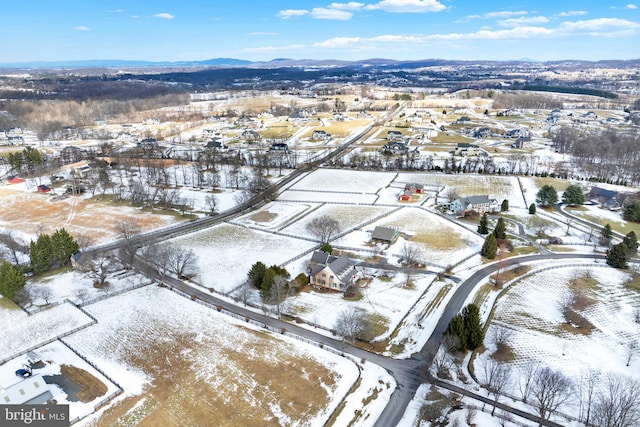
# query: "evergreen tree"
(617, 256)
(11, 279)
(456, 328)
(605, 235)
(473, 329)
(547, 196)
(256, 274)
(41, 254)
(532, 209)
(631, 243)
(326, 247)
(501, 229)
(573, 195)
(490, 247)
(267, 281)
(63, 246)
(505, 205)
(632, 211)
(483, 227)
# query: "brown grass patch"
(263, 216)
(90, 386)
(633, 284)
(439, 241)
(180, 395)
(503, 353)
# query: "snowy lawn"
(158, 342)
(78, 287)
(345, 181)
(227, 252)
(328, 197)
(22, 331)
(386, 300)
(440, 241)
(275, 215)
(346, 215)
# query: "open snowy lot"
(344, 181)
(347, 216)
(386, 300)
(158, 342)
(572, 319)
(23, 331)
(328, 197)
(227, 252)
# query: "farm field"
(227, 252)
(591, 334)
(27, 212)
(159, 342)
(345, 181)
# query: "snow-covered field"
(345, 181)
(532, 311)
(157, 342)
(227, 252)
(23, 331)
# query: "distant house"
(244, 121)
(42, 188)
(320, 135)
(608, 199)
(386, 235)
(519, 143)
(151, 121)
(217, 144)
(462, 120)
(405, 196)
(517, 133)
(280, 146)
(339, 117)
(394, 135)
(331, 272)
(147, 144)
(29, 391)
(481, 132)
(480, 204)
(466, 149)
(72, 154)
(15, 140)
(396, 147)
(14, 180)
(414, 187)
(250, 136)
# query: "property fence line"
(113, 294)
(331, 192)
(49, 341)
(102, 401)
(299, 216)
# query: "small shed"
(30, 391)
(384, 235)
(42, 188)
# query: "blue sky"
(167, 30)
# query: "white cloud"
(324, 13)
(599, 24)
(286, 14)
(163, 15)
(116, 11)
(407, 6)
(524, 20)
(352, 5)
(498, 15)
(573, 13)
(81, 28)
(269, 49)
(631, 6)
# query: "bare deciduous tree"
(452, 193)
(128, 230)
(183, 262)
(82, 294)
(617, 403)
(278, 293)
(14, 247)
(244, 293)
(496, 379)
(211, 202)
(323, 228)
(550, 390)
(351, 323)
(588, 383)
(410, 254)
(526, 380)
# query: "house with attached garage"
(331, 272)
(480, 204)
(320, 134)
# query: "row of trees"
(51, 251)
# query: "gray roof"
(384, 233)
(477, 200)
